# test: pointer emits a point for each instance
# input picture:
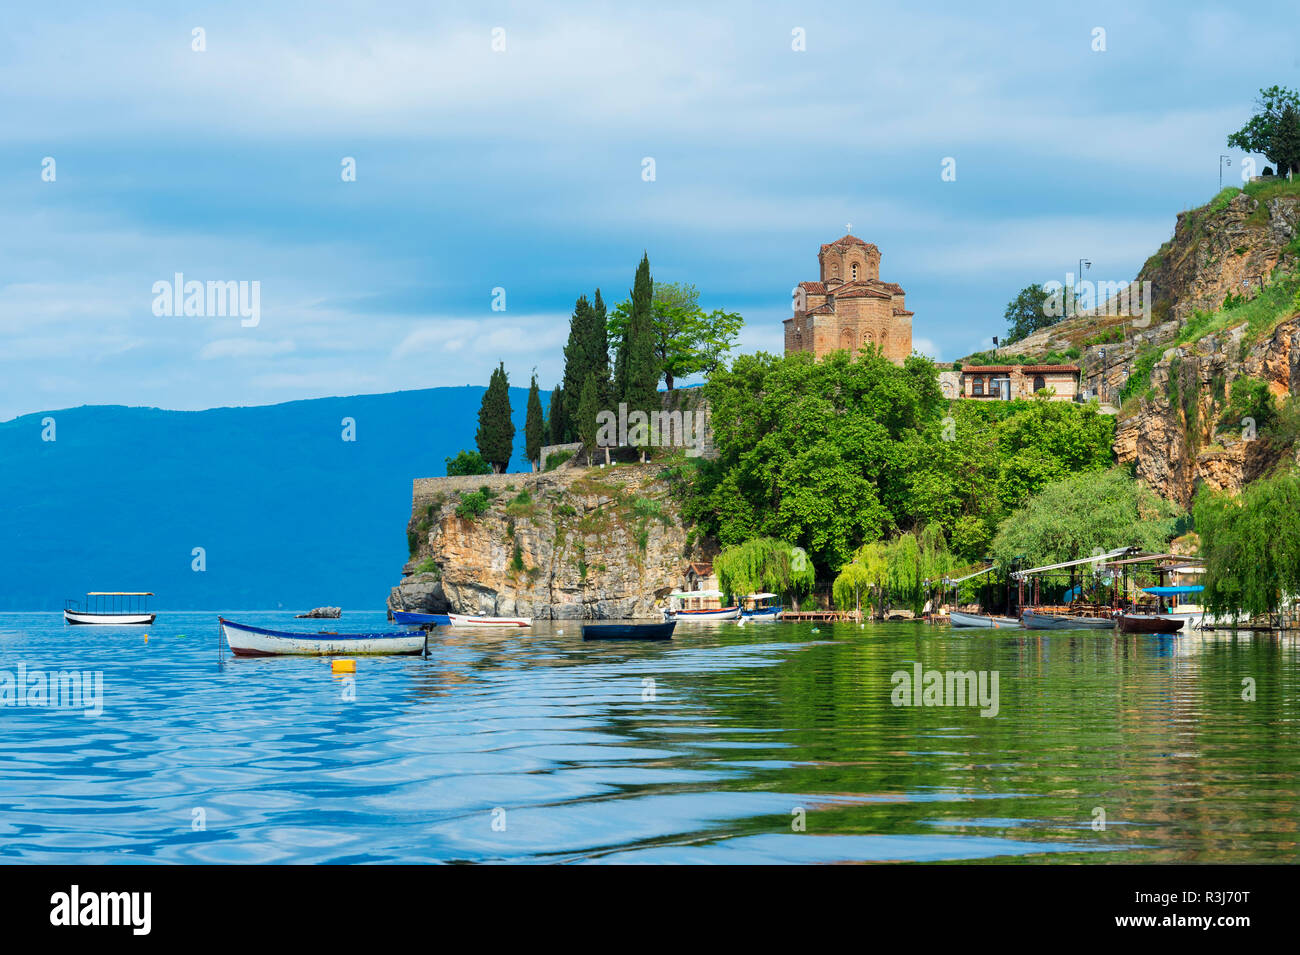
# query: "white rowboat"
(461, 620)
(246, 641)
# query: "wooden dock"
(818, 616)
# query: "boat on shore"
(959, 618)
(1040, 620)
(110, 608)
(413, 618)
(249, 641)
(1149, 623)
(465, 620)
(634, 630)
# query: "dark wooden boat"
(628, 631)
(1149, 623)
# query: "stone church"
(849, 308)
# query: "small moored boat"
(413, 618)
(1037, 620)
(986, 620)
(628, 631)
(110, 608)
(1149, 623)
(463, 620)
(722, 613)
(759, 607)
(247, 641)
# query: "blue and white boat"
(759, 607)
(413, 618)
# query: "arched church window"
(867, 340)
(846, 339)
(855, 271)
(1039, 383)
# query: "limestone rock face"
(585, 543)
(1178, 437)
(421, 593)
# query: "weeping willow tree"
(764, 564)
(901, 570)
(1251, 546)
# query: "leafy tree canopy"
(1276, 113)
(467, 462)
(1083, 514)
(686, 339)
(763, 564)
(1251, 545)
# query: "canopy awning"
(1099, 558)
(957, 580)
(697, 593)
(760, 596)
(1173, 591)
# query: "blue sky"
(522, 169)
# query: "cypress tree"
(577, 363)
(496, 432)
(588, 408)
(533, 424)
(598, 345)
(555, 420)
(641, 371)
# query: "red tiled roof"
(1032, 369)
(846, 241)
(701, 568)
(893, 287)
(817, 288)
(859, 290)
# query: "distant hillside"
(289, 514)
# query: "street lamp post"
(1083, 264)
(1222, 160)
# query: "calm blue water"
(533, 746)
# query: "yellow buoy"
(343, 666)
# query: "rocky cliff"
(592, 543)
(1224, 306)
(1186, 430)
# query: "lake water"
(763, 743)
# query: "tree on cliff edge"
(534, 425)
(496, 432)
(588, 408)
(1261, 134)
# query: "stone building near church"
(849, 307)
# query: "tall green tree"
(687, 340)
(1285, 144)
(588, 408)
(556, 425)
(1260, 134)
(496, 430)
(534, 424)
(1251, 545)
(638, 384)
(577, 364)
(1029, 311)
